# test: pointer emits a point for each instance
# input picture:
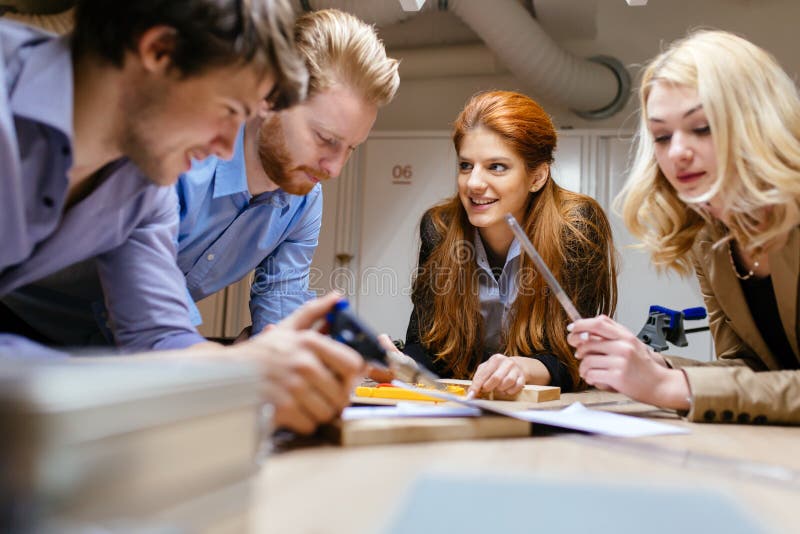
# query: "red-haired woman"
(481, 310)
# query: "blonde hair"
(754, 114)
(340, 48)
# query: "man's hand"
(382, 374)
(307, 375)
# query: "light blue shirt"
(496, 295)
(225, 233)
(126, 223)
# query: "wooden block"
(530, 393)
(408, 430)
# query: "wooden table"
(303, 491)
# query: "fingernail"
(470, 395)
(570, 326)
(584, 336)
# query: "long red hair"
(569, 230)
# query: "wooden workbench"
(327, 489)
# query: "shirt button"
(65, 150)
(210, 257)
(48, 202)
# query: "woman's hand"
(612, 358)
(500, 374)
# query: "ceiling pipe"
(596, 88)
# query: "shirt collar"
(231, 178)
(34, 95)
(513, 251)
(277, 198)
(480, 251)
(231, 175)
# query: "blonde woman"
(715, 188)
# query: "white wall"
(404, 174)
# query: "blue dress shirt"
(126, 223)
(496, 295)
(225, 233)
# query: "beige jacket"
(745, 385)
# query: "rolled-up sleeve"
(14, 347)
(144, 289)
(281, 281)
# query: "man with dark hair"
(259, 210)
(87, 136)
(203, 35)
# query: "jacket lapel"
(730, 297)
(785, 266)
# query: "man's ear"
(264, 108)
(156, 48)
(539, 176)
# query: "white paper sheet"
(574, 417)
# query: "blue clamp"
(664, 324)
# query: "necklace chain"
(750, 273)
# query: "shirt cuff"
(715, 396)
(13, 347)
(280, 305)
